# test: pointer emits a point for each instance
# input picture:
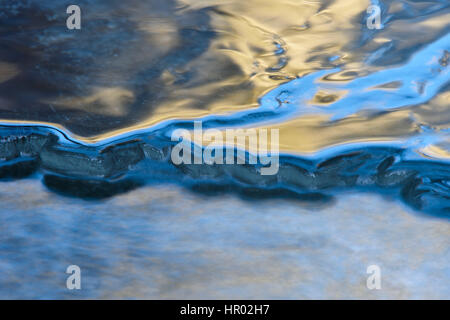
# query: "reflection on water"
(90, 112)
(138, 63)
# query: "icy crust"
(96, 172)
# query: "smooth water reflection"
(134, 65)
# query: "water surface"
(87, 116)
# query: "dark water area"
(86, 119)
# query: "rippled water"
(90, 113)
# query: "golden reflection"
(435, 113)
(162, 73)
(437, 151)
(8, 71)
(257, 46)
(324, 97)
(108, 101)
(309, 134)
(312, 133)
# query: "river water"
(86, 119)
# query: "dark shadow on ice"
(92, 172)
